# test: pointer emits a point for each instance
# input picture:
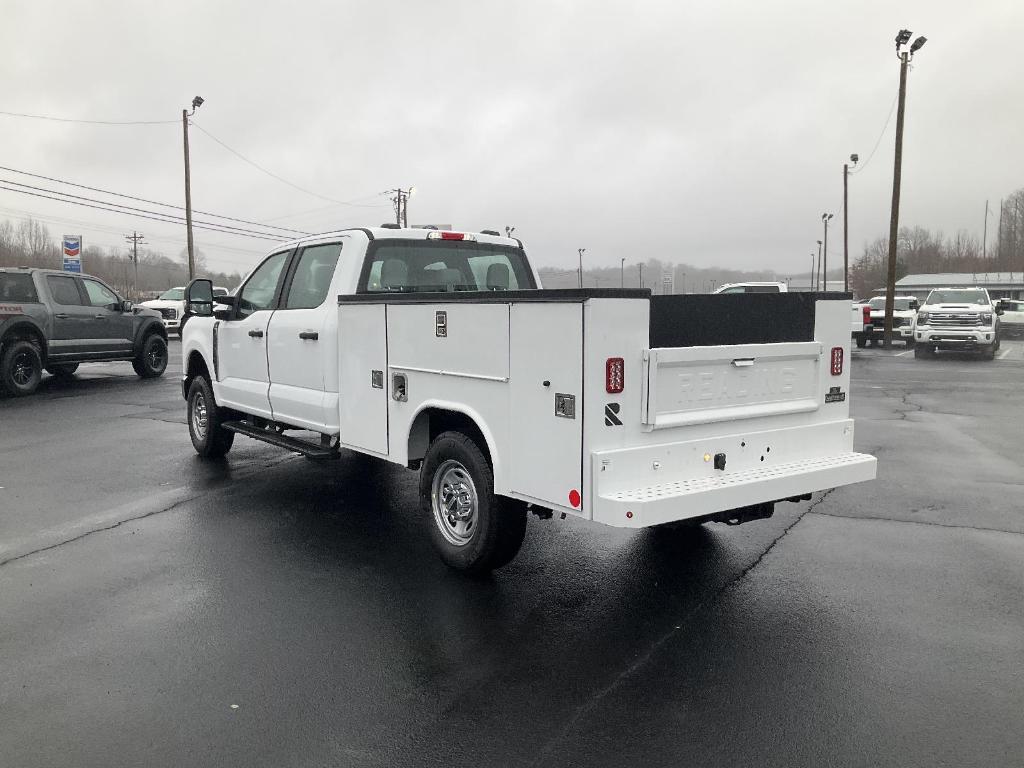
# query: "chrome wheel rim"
(23, 369)
(199, 415)
(455, 503)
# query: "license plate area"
(702, 385)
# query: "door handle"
(309, 335)
(99, 317)
(61, 316)
(257, 334)
(743, 362)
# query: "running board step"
(309, 450)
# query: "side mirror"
(199, 298)
(999, 309)
(914, 305)
(127, 306)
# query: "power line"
(273, 175)
(88, 122)
(138, 215)
(150, 202)
(226, 228)
(880, 135)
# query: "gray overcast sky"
(711, 133)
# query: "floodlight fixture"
(903, 38)
(854, 158)
(918, 44)
(197, 102)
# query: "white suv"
(957, 319)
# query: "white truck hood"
(162, 304)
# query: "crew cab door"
(111, 328)
(72, 318)
(242, 373)
(302, 344)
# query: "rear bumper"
(641, 487)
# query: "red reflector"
(837, 361)
(452, 235)
(614, 375)
(574, 497)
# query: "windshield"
(414, 266)
(174, 294)
(958, 296)
(899, 305)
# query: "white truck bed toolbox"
(640, 487)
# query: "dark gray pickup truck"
(53, 321)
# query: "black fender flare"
(23, 324)
(146, 327)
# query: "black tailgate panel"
(703, 320)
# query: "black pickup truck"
(53, 321)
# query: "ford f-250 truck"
(436, 350)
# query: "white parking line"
(1003, 354)
(901, 354)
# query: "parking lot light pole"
(817, 270)
(846, 223)
(894, 219)
(197, 102)
(825, 218)
(581, 251)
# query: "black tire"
(861, 341)
(492, 531)
(989, 353)
(923, 350)
(209, 438)
(62, 371)
(151, 361)
(910, 343)
(21, 368)
(874, 342)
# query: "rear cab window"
(17, 287)
(64, 290)
(432, 266)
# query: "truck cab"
(958, 319)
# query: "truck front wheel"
(473, 529)
(209, 438)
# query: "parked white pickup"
(435, 350)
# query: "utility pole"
(894, 220)
(640, 266)
(135, 238)
(622, 273)
(197, 102)
(817, 270)
(825, 218)
(846, 223)
(581, 251)
(401, 203)
(810, 283)
(999, 238)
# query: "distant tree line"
(921, 251)
(30, 244)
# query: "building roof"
(962, 278)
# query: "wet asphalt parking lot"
(156, 610)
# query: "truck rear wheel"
(472, 529)
(861, 341)
(21, 368)
(209, 438)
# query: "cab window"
(17, 286)
(261, 288)
(64, 290)
(312, 277)
(100, 296)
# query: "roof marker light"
(440, 234)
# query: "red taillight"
(837, 361)
(614, 375)
(867, 314)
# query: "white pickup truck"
(436, 350)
